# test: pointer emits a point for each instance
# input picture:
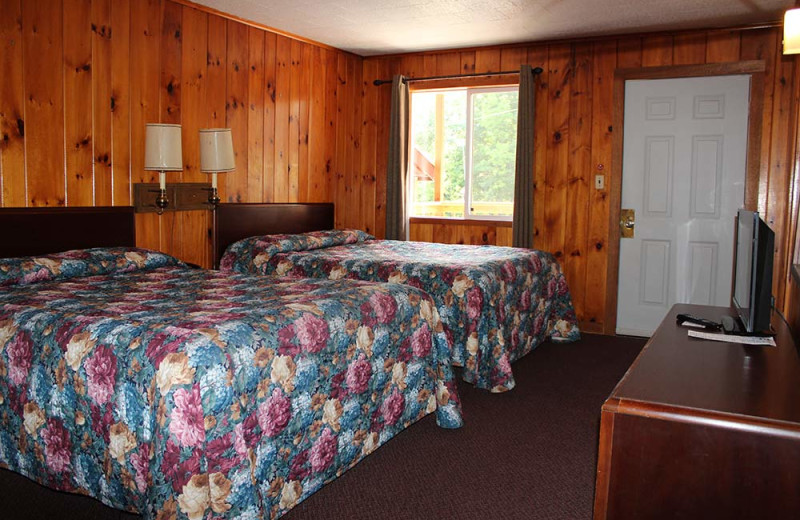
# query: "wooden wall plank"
(270, 59)
(216, 86)
(511, 58)
(369, 99)
(12, 111)
(101, 101)
(629, 53)
(303, 123)
(604, 63)
(382, 147)
(331, 113)
(761, 45)
(689, 49)
(354, 74)
(77, 63)
(723, 46)
(488, 60)
(44, 103)
(236, 108)
(557, 151)
(448, 63)
(255, 116)
(171, 43)
(467, 60)
(342, 190)
(657, 51)
(121, 167)
(780, 169)
(296, 52)
(193, 91)
(318, 187)
(282, 89)
(579, 175)
(144, 82)
(537, 57)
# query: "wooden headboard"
(36, 231)
(234, 222)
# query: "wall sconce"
(216, 156)
(791, 32)
(162, 153)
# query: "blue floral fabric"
(496, 303)
(182, 393)
(82, 262)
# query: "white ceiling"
(370, 27)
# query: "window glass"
(463, 152)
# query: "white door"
(683, 174)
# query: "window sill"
(445, 221)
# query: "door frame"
(756, 70)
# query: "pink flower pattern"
(20, 353)
(186, 420)
(57, 445)
(421, 341)
(323, 451)
(274, 413)
(393, 407)
(101, 372)
(358, 375)
(384, 306)
(312, 332)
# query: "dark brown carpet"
(526, 454)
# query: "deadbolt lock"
(627, 222)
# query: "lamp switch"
(599, 182)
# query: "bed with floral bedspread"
(496, 303)
(184, 393)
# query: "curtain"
(397, 164)
(522, 227)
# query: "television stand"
(702, 429)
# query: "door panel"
(683, 173)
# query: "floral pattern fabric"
(182, 393)
(496, 303)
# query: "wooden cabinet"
(702, 429)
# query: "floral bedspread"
(182, 393)
(496, 303)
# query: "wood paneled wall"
(79, 79)
(574, 134)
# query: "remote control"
(690, 320)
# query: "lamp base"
(162, 201)
(213, 197)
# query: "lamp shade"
(791, 32)
(162, 148)
(216, 150)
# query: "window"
(463, 152)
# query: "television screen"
(742, 283)
(752, 281)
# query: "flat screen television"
(752, 279)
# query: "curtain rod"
(379, 82)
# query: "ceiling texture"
(372, 27)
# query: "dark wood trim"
(37, 231)
(185, 196)
(755, 68)
(459, 222)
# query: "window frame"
(470, 90)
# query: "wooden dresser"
(700, 429)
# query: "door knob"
(627, 222)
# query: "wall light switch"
(599, 182)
